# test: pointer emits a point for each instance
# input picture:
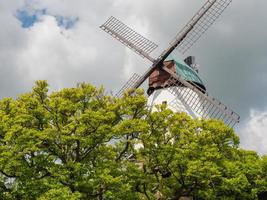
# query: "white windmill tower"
(173, 81)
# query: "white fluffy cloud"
(65, 57)
(54, 52)
(231, 54)
(254, 133)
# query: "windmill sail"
(195, 28)
(190, 93)
(129, 84)
(200, 23)
(200, 101)
(208, 13)
(135, 81)
(129, 37)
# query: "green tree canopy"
(79, 143)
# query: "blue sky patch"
(66, 22)
(28, 19)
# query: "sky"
(60, 41)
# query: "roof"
(188, 73)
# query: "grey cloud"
(254, 132)
(232, 54)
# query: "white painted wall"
(175, 102)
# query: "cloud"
(232, 55)
(253, 134)
(66, 46)
(56, 45)
(29, 18)
(53, 52)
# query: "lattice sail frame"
(215, 9)
(129, 37)
(134, 82)
(200, 101)
(129, 84)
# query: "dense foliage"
(78, 143)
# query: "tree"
(78, 143)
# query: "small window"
(164, 102)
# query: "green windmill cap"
(186, 71)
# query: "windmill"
(173, 81)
